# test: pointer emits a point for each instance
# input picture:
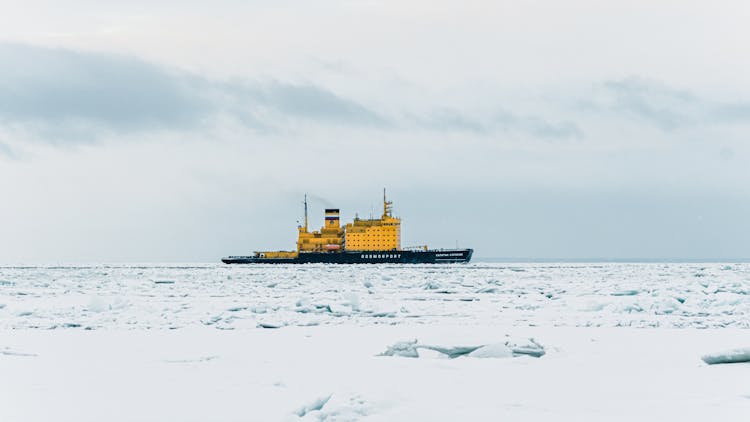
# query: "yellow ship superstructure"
(330, 237)
(381, 234)
(374, 234)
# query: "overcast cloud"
(185, 130)
(74, 96)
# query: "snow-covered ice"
(522, 342)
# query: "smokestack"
(332, 218)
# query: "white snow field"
(521, 342)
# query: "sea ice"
(164, 281)
(509, 348)
(625, 293)
(128, 297)
(316, 404)
(729, 356)
(527, 347)
(97, 304)
(7, 351)
(343, 408)
(407, 349)
(451, 351)
(282, 371)
(214, 310)
(495, 350)
(194, 360)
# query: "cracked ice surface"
(268, 296)
(301, 343)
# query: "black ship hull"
(435, 256)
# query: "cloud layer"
(56, 87)
(65, 96)
(666, 107)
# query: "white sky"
(189, 130)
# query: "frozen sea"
(482, 341)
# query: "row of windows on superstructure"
(380, 256)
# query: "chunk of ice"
(496, 350)
(407, 349)
(625, 293)
(316, 404)
(729, 356)
(453, 352)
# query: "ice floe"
(508, 348)
(728, 356)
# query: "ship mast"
(385, 204)
(305, 213)
(387, 210)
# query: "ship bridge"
(381, 234)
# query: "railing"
(425, 249)
(419, 248)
